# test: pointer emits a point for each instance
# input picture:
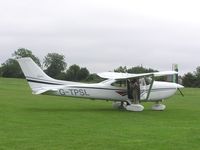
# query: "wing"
(121, 76)
(125, 76)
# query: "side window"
(119, 83)
(142, 82)
(148, 81)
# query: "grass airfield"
(42, 122)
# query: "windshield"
(148, 80)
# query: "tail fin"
(35, 76)
(31, 69)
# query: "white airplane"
(114, 88)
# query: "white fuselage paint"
(159, 91)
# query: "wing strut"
(151, 85)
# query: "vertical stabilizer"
(35, 76)
(31, 69)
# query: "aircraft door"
(130, 96)
(143, 88)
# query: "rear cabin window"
(119, 84)
(123, 83)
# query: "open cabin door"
(146, 87)
(143, 88)
(130, 96)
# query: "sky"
(105, 34)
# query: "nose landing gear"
(158, 106)
(135, 107)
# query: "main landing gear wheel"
(158, 107)
(119, 105)
(135, 107)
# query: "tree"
(55, 64)
(121, 69)
(94, 78)
(72, 73)
(197, 77)
(11, 69)
(22, 52)
(189, 80)
(137, 69)
(1, 71)
(192, 79)
(140, 69)
(75, 73)
(83, 74)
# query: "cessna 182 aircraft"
(114, 88)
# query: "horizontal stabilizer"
(38, 91)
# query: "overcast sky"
(104, 34)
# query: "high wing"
(121, 76)
(126, 76)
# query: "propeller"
(180, 92)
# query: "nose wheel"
(119, 105)
(158, 106)
(135, 107)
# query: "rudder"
(34, 74)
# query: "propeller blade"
(181, 92)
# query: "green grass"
(56, 123)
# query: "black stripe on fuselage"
(50, 83)
(44, 82)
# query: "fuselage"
(106, 91)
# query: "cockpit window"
(148, 81)
(142, 81)
(120, 83)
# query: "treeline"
(192, 79)
(55, 66)
(137, 69)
